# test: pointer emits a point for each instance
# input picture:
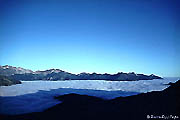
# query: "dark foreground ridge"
(138, 107)
(18, 73)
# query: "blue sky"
(91, 35)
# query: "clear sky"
(92, 35)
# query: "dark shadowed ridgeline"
(18, 73)
(137, 107)
(6, 81)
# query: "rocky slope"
(6, 81)
(10, 70)
(138, 107)
(57, 74)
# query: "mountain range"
(18, 73)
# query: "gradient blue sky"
(91, 35)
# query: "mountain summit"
(7, 70)
(18, 73)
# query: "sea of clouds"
(36, 96)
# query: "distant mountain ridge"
(10, 70)
(18, 73)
